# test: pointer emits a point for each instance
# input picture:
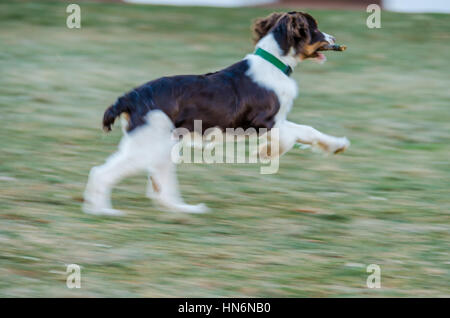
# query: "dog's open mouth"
(319, 56)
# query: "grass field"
(309, 230)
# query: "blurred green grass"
(309, 230)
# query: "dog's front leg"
(291, 133)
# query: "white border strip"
(209, 3)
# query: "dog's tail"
(114, 111)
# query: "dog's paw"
(202, 208)
(188, 208)
(334, 145)
(197, 208)
(89, 209)
(342, 145)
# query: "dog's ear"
(262, 26)
(298, 30)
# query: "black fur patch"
(225, 99)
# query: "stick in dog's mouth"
(333, 47)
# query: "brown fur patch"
(262, 26)
(310, 50)
(155, 186)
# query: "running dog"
(255, 92)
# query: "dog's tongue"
(321, 57)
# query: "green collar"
(286, 69)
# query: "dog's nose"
(329, 38)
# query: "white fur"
(329, 38)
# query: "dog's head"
(295, 32)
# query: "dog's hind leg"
(163, 184)
(148, 147)
(163, 188)
(101, 181)
(137, 151)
